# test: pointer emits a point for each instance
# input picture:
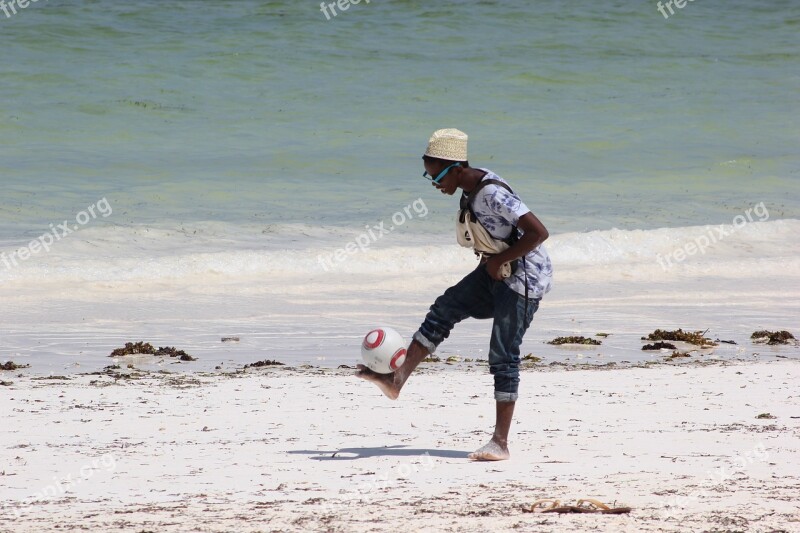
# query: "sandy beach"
(309, 449)
(242, 181)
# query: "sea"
(198, 169)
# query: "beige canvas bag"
(470, 233)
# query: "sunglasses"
(441, 175)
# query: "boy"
(483, 293)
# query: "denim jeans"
(480, 296)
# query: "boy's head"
(447, 149)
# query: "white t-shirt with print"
(499, 211)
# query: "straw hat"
(449, 144)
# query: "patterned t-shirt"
(499, 210)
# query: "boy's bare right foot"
(493, 451)
(385, 382)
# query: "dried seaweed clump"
(773, 337)
(676, 354)
(172, 352)
(136, 348)
(692, 337)
(11, 365)
(265, 362)
(659, 346)
(574, 340)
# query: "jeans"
(480, 296)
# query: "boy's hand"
(493, 267)
(535, 234)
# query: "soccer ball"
(383, 350)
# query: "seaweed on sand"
(265, 362)
(676, 354)
(574, 340)
(136, 348)
(692, 337)
(659, 346)
(773, 337)
(172, 352)
(11, 365)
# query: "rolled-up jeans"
(480, 296)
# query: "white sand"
(255, 452)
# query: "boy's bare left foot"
(385, 382)
(493, 451)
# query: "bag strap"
(468, 199)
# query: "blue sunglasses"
(441, 175)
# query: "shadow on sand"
(349, 454)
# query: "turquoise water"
(602, 114)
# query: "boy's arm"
(535, 234)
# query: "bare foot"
(493, 451)
(385, 382)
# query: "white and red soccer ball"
(383, 350)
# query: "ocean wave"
(215, 252)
